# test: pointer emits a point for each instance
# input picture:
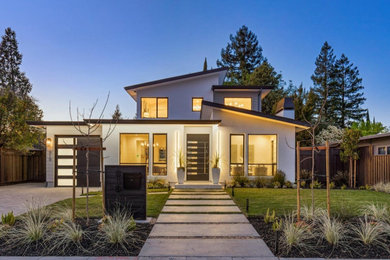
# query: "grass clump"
(332, 230)
(368, 232)
(296, 235)
(8, 219)
(377, 212)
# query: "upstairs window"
(196, 104)
(244, 103)
(154, 107)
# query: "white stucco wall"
(180, 94)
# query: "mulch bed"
(319, 248)
(92, 245)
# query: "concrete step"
(199, 190)
(203, 230)
(198, 193)
(199, 202)
(205, 247)
(201, 209)
(193, 196)
(201, 218)
(198, 186)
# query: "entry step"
(206, 185)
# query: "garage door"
(64, 161)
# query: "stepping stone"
(201, 209)
(200, 202)
(187, 196)
(201, 218)
(197, 193)
(203, 230)
(198, 190)
(206, 247)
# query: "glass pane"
(65, 172)
(65, 151)
(245, 103)
(236, 149)
(148, 107)
(388, 149)
(65, 182)
(160, 155)
(196, 104)
(381, 150)
(65, 162)
(162, 107)
(65, 141)
(236, 169)
(134, 148)
(262, 149)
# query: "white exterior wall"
(234, 123)
(51, 132)
(180, 94)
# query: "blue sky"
(81, 50)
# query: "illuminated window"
(196, 104)
(159, 154)
(245, 103)
(134, 149)
(261, 155)
(154, 107)
(236, 155)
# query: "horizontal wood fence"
(16, 167)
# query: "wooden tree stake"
(74, 186)
(298, 182)
(102, 179)
(327, 179)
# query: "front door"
(197, 157)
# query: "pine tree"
(241, 55)
(205, 64)
(16, 105)
(324, 81)
(117, 114)
(265, 75)
(348, 97)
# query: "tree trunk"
(350, 171)
(312, 172)
(298, 182)
(87, 177)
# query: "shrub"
(368, 187)
(288, 184)
(316, 185)
(240, 181)
(340, 178)
(343, 187)
(157, 184)
(277, 225)
(382, 187)
(332, 185)
(261, 182)
(369, 233)
(377, 212)
(8, 219)
(269, 218)
(305, 175)
(280, 177)
(303, 184)
(362, 187)
(276, 184)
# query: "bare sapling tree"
(87, 126)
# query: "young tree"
(349, 151)
(16, 105)
(241, 55)
(205, 64)
(348, 97)
(117, 113)
(324, 81)
(265, 75)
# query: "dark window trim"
(192, 103)
(238, 107)
(166, 151)
(120, 153)
(276, 155)
(157, 98)
(384, 149)
(230, 153)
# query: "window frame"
(166, 151)
(274, 165)
(384, 149)
(250, 98)
(230, 154)
(120, 151)
(157, 116)
(192, 103)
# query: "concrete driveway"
(16, 197)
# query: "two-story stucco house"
(194, 114)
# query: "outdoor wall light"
(48, 142)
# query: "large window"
(196, 104)
(159, 154)
(134, 149)
(237, 155)
(261, 155)
(154, 107)
(245, 103)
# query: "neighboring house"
(194, 114)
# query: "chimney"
(285, 108)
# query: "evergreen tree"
(117, 114)
(348, 97)
(205, 64)
(16, 105)
(369, 128)
(265, 75)
(241, 55)
(324, 81)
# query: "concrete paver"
(202, 218)
(200, 202)
(204, 230)
(201, 209)
(193, 196)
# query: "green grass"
(154, 204)
(343, 202)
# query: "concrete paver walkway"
(198, 223)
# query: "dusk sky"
(80, 50)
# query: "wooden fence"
(18, 167)
(372, 168)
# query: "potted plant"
(215, 171)
(181, 169)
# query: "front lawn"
(155, 203)
(343, 202)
